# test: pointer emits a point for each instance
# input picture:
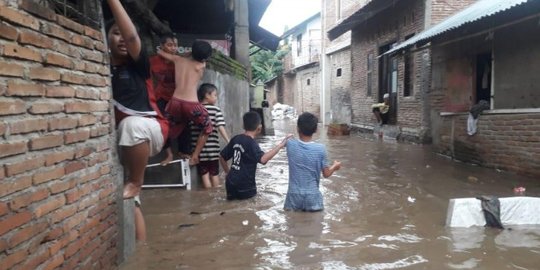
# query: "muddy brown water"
(368, 221)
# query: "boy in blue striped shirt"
(307, 159)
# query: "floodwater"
(369, 222)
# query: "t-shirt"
(129, 87)
(133, 93)
(306, 162)
(246, 153)
(163, 76)
(211, 148)
(383, 107)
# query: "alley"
(384, 210)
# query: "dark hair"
(307, 124)
(204, 89)
(252, 120)
(108, 25)
(201, 50)
(163, 38)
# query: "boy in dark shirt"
(245, 153)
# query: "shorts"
(233, 193)
(384, 116)
(137, 201)
(181, 112)
(304, 202)
(134, 130)
(208, 166)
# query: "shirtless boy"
(184, 105)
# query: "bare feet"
(166, 161)
(183, 155)
(131, 190)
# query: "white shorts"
(134, 130)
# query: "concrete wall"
(340, 87)
(60, 178)
(233, 98)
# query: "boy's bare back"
(188, 72)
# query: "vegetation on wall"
(265, 64)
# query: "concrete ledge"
(467, 212)
(128, 228)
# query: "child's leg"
(140, 226)
(206, 180)
(213, 169)
(198, 148)
(135, 159)
(215, 181)
(168, 158)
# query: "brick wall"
(441, 9)
(58, 168)
(503, 141)
(380, 31)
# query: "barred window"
(86, 12)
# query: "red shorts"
(181, 112)
(210, 166)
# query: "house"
(376, 27)
(489, 51)
(299, 86)
(336, 63)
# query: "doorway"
(388, 80)
(483, 77)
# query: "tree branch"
(140, 9)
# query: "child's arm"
(224, 164)
(328, 171)
(127, 29)
(168, 56)
(223, 133)
(270, 154)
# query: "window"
(338, 72)
(299, 45)
(369, 74)
(82, 11)
(407, 75)
(308, 82)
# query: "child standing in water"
(245, 153)
(209, 158)
(184, 105)
(307, 159)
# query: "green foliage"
(265, 65)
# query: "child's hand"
(284, 141)
(336, 165)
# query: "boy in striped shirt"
(208, 165)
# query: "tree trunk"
(143, 10)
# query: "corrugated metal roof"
(475, 12)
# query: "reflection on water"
(385, 209)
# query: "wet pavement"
(369, 221)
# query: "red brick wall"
(503, 141)
(58, 169)
(441, 9)
(366, 40)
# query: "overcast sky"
(288, 12)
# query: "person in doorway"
(307, 159)
(380, 110)
(184, 105)
(208, 166)
(245, 154)
(141, 128)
